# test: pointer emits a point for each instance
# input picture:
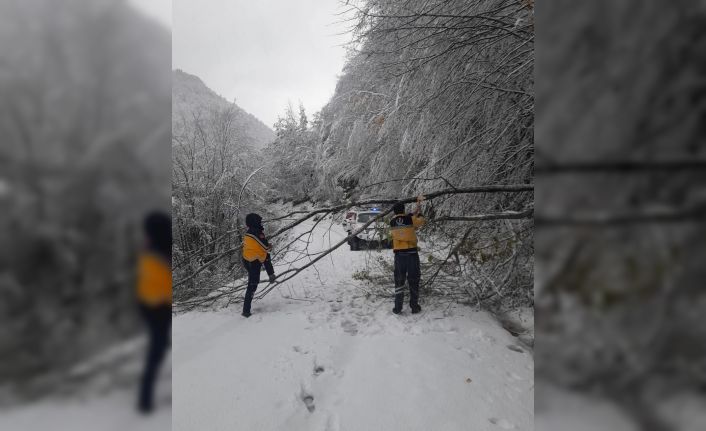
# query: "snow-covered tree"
(436, 94)
(84, 123)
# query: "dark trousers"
(254, 268)
(159, 323)
(407, 268)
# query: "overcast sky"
(160, 10)
(261, 53)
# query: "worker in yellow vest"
(154, 294)
(403, 227)
(256, 254)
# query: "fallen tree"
(306, 215)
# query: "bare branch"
(625, 166)
(505, 215)
(661, 215)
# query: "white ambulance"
(376, 235)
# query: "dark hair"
(158, 229)
(253, 220)
(398, 208)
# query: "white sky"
(262, 53)
(160, 10)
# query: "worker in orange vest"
(403, 227)
(255, 255)
(154, 294)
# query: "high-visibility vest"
(154, 280)
(403, 229)
(254, 248)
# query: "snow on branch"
(292, 272)
(504, 215)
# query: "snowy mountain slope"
(190, 96)
(318, 355)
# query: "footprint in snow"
(308, 400)
(469, 352)
(332, 423)
(514, 376)
(478, 334)
(299, 349)
(502, 423)
(515, 348)
(349, 327)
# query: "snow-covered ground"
(111, 412)
(559, 409)
(99, 395)
(318, 355)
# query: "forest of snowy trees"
(435, 95)
(621, 205)
(214, 149)
(84, 119)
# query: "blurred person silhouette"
(255, 256)
(154, 293)
(404, 227)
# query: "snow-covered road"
(318, 355)
(104, 400)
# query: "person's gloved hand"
(272, 278)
